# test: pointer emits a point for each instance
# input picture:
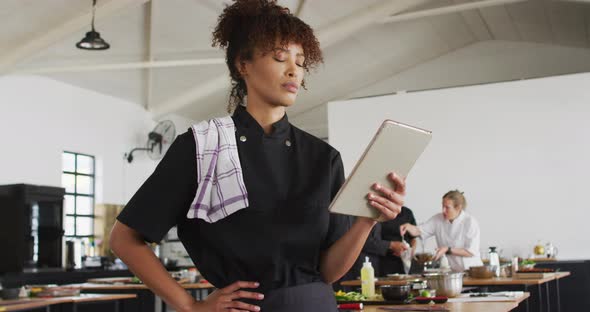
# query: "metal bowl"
(446, 284)
(506, 270)
(416, 286)
(484, 271)
(397, 276)
(423, 257)
(9, 293)
(395, 292)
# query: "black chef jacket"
(377, 246)
(291, 177)
(390, 232)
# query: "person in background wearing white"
(457, 232)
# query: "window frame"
(76, 194)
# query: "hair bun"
(237, 17)
(248, 25)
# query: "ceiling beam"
(299, 8)
(47, 37)
(455, 8)
(99, 58)
(475, 23)
(348, 25)
(149, 42)
(120, 66)
(328, 35)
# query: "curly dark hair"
(249, 24)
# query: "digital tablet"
(395, 147)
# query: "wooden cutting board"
(123, 280)
(111, 280)
(535, 275)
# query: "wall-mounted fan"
(158, 141)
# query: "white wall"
(519, 150)
(40, 118)
(481, 62)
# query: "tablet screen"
(394, 148)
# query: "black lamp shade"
(92, 41)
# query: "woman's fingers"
(397, 199)
(227, 299)
(398, 182)
(237, 286)
(246, 294)
(386, 212)
(388, 204)
(241, 306)
(389, 201)
(389, 194)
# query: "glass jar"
(416, 286)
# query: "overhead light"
(92, 40)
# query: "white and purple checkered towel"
(221, 190)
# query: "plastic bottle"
(444, 263)
(495, 261)
(193, 275)
(368, 279)
(514, 265)
(91, 248)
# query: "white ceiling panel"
(181, 30)
(500, 23)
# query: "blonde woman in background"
(456, 231)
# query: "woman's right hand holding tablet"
(388, 200)
(226, 299)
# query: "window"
(78, 179)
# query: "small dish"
(397, 276)
(425, 300)
(9, 293)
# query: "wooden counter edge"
(44, 302)
(468, 281)
(94, 286)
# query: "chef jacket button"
(288, 143)
(243, 138)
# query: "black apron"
(313, 297)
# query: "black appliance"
(31, 223)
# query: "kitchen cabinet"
(575, 289)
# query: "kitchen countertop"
(455, 307)
(468, 281)
(458, 306)
(32, 303)
(96, 286)
(56, 276)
